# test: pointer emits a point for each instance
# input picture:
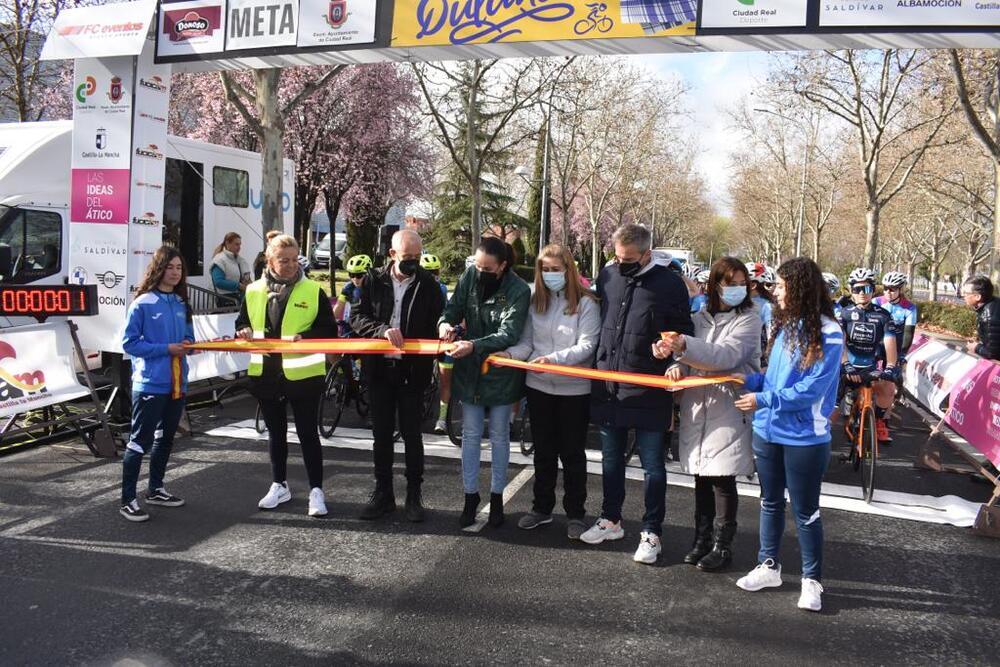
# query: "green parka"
(492, 325)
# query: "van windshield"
(324, 243)
(341, 244)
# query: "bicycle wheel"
(869, 454)
(258, 420)
(430, 399)
(333, 400)
(453, 418)
(523, 423)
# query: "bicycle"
(340, 387)
(595, 20)
(859, 407)
(522, 427)
(429, 401)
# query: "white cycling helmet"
(832, 282)
(303, 262)
(894, 279)
(757, 271)
(770, 276)
(702, 277)
(861, 275)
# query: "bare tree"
(896, 114)
(24, 78)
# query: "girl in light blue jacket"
(158, 323)
(791, 427)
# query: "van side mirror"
(5, 260)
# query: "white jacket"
(715, 437)
(567, 340)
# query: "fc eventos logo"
(86, 89)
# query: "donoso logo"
(184, 24)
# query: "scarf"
(278, 291)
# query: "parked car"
(320, 256)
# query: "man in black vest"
(639, 299)
(400, 300)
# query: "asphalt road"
(219, 582)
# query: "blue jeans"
(154, 421)
(649, 444)
(799, 469)
(473, 420)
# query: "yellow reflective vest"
(300, 313)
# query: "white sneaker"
(765, 575)
(649, 548)
(440, 427)
(317, 502)
(811, 598)
(603, 530)
(277, 494)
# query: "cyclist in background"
(902, 310)
(350, 295)
(445, 363)
(699, 300)
(833, 284)
(870, 339)
(762, 298)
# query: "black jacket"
(988, 329)
(633, 313)
(422, 305)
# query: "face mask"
(628, 269)
(554, 280)
(488, 282)
(733, 295)
(408, 266)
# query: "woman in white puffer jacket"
(563, 329)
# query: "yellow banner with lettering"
(459, 22)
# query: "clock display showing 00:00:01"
(47, 300)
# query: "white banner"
(902, 13)
(102, 113)
(258, 24)
(932, 370)
(753, 13)
(191, 27)
(213, 364)
(332, 22)
(36, 367)
(100, 31)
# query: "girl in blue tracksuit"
(157, 324)
(791, 426)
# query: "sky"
(716, 81)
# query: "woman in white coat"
(715, 437)
(563, 329)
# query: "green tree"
(532, 224)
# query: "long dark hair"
(807, 300)
(726, 268)
(157, 267)
(497, 248)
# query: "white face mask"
(554, 280)
(733, 295)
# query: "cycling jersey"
(765, 308)
(350, 295)
(903, 313)
(837, 310)
(698, 301)
(865, 331)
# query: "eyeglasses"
(355, 276)
(862, 289)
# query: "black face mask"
(408, 266)
(488, 282)
(628, 269)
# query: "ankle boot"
(702, 539)
(496, 510)
(721, 554)
(469, 511)
(381, 502)
(414, 506)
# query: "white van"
(208, 191)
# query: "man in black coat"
(639, 299)
(978, 294)
(400, 300)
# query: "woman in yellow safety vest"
(285, 305)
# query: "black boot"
(381, 502)
(469, 511)
(496, 510)
(702, 539)
(414, 508)
(721, 554)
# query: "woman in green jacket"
(493, 302)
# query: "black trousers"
(716, 496)
(559, 430)
(305, 409)
(393, 395)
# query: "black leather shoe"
(721, 554)
(414, 508)
(382, 502)
(496, 510)
(469, 511)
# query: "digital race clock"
(42, 301)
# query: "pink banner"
(100, 195)
(975, 409)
